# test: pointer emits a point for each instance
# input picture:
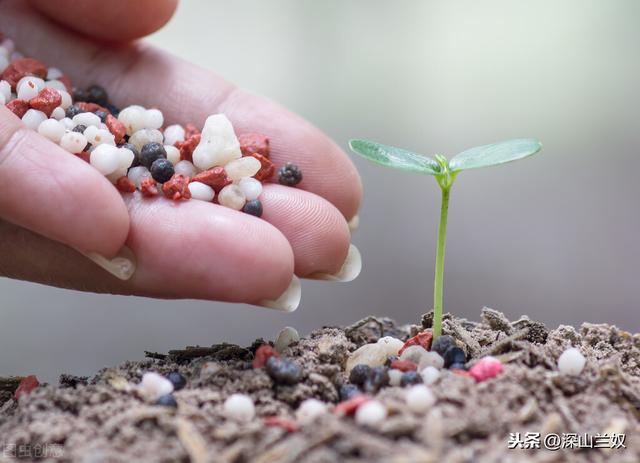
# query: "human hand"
(188, 250)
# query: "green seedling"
(445, 172)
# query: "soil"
(102, 419)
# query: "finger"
(113, 20)
(187, 93)
(202, 250)
(316, 230)
(56, 194)
(220, 255)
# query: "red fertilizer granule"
(125, 185)
(190, 130)
(18, 107)
(460, 372)
(177, 187)
(186, 147)
(280, 422)
(117, 128)
(263, 353)
(423, 339)
(23, 67)
(46, 101)
(216, 178)
(349, 407)
(267, 170)
(27, 385)
(148, 187)
(403, 365)
(254, 143)
(91, 107)
(85, 156)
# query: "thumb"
(57, 194)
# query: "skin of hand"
(54, 205)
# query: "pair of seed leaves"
(474, 158)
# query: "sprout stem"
(439, 273)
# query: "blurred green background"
(554, 237)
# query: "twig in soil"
(290, 449)
(286, 451)
(496, 320)
(626, 391)
(472, 346)
(72, 381)
(192, 441)
(509, 356)
(155, 355)
(6, 406)
(563, 408)
(365, 321)
(501, 346)
(629, 393)
(233, 452)
(191, 352)
(222, 351)
(528, 410)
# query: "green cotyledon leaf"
(494, 154)
(396, 158)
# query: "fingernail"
(354, 223)
(121, 266)
(349, 271)
(289, 300)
